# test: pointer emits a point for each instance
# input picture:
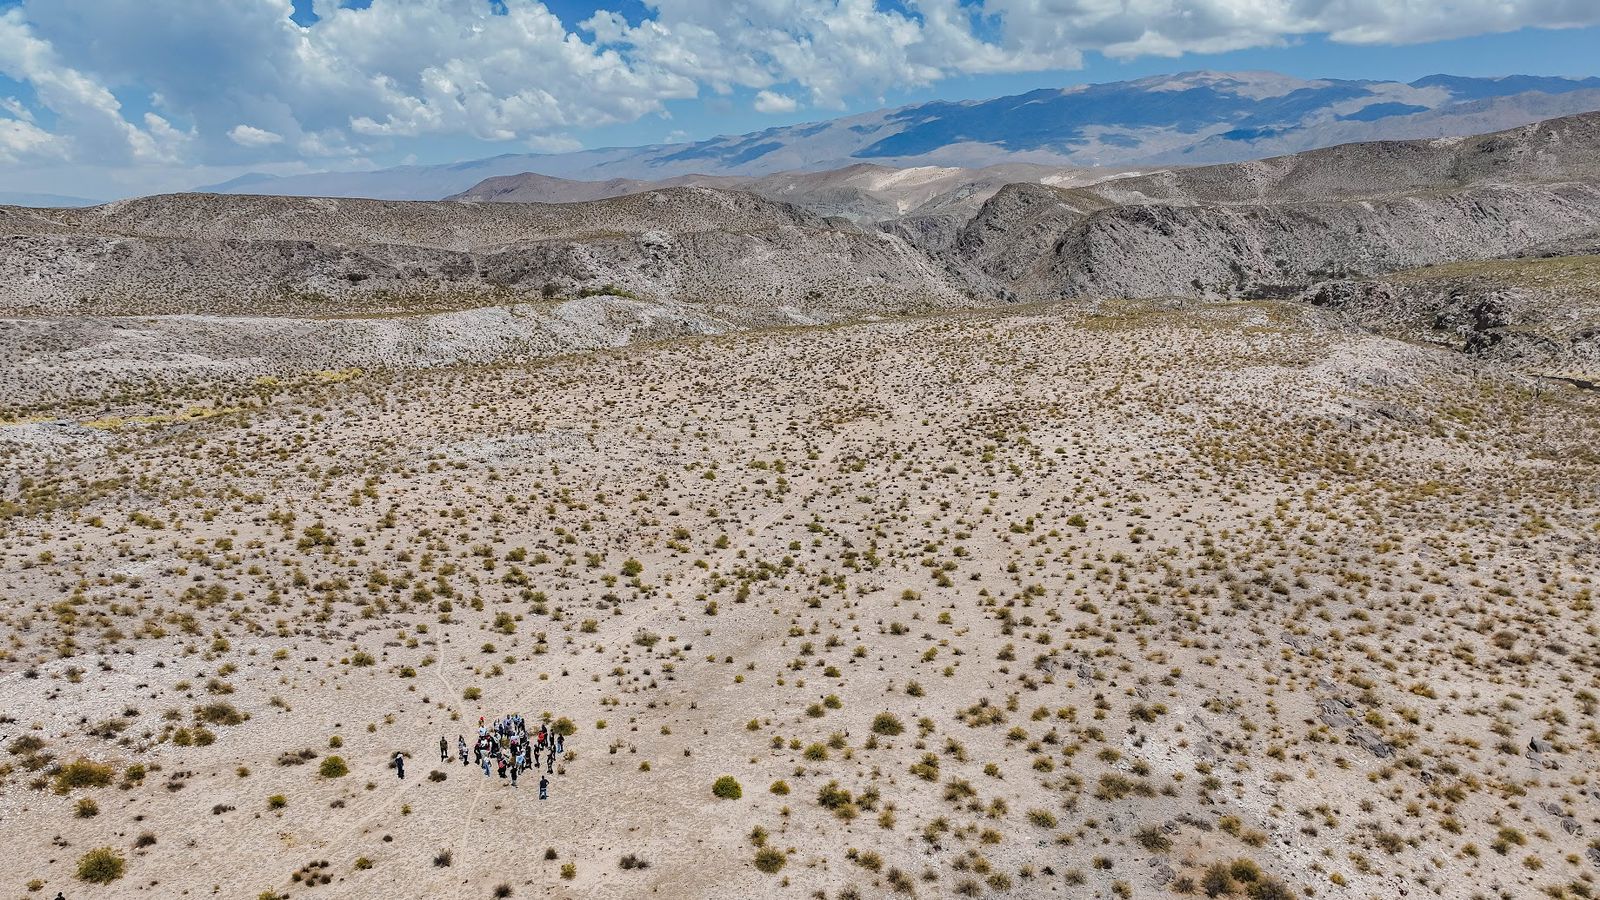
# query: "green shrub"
(727, 788)
(886, 724)
(1217, 880)
(101, 865)
(1152, 838)
(82, 773)
(770, 859)
(333, 767)
(220, 713)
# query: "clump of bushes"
(727, 788)
(770, 859)
(101, 865)
(83, 773)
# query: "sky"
(110, 98)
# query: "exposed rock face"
(1540, 314)
(1275, 226)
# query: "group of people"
(507, 746)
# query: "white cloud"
(1130, 28)
(18, 111)
(769, 102)
(93, 114)
(250, 136)
(21, 139)
(238, 83)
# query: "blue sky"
(107, 98)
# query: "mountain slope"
(748, 258)
(1192, 118)
(483, 280)
(863, 192)
(1275, 224)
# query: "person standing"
(399, 764)
(444, 749)
(544, 788)
(513, 776)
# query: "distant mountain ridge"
(863, 192)
(1192, 118)
(43, 201)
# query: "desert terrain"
(1227, 531)
(1214, 599)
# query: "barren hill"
(437, 282)
(226, 254)
(1281, 224)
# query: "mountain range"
(520, 278)
(1192, 118)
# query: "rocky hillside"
(1276, 226)
(217, 254)
(486, 280)
(1539, 314)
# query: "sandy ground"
(1142, 594)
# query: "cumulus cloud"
(92, 113)
(20, 139)
(770, 102)
(229, 83)
(250, 136)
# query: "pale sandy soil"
(1147, 592)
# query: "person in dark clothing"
(399, 765)
(561, 744)
(550, 764)
(444, 749)
(513, 776)
(544, 788)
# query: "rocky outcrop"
(1538, 314)
(1275, 227)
